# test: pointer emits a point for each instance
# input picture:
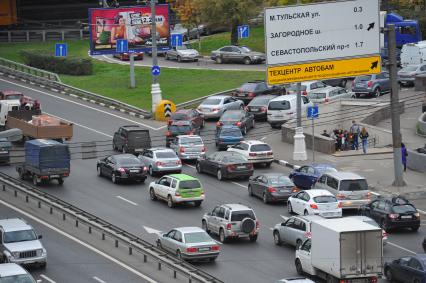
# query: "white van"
(5, 107)
(413, 53)
(283, 109)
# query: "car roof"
(131, 127)
(253, 142)
(308, 218)
(345, 175)
(218, 96)
(10, 269)
(189, 229)
(160, 149)
(318, 192)
(284, 97)
(14, 224)
(124, 155)
(183, 177)
(236, 206)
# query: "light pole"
(155, 86)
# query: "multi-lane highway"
(128, 205)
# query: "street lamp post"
(155, 86)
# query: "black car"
(240, 118)
(122, 167)
(177, 128)
(225, 164)
(271, 187)
(407, 269)
(250, 90)
(392, 213)
(259, 106)
(131, 139)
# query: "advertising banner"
(130, 23)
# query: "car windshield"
(260, 147)
(279, 181)
(128, 162)
(197, 237)
(231, 132)
(211, 101)
(317, 95)
(22, 278)
(245, 49)
(248, 87)
(409, 69)
(189, 184)
(165, 154)
(230, 116)
(363, 78)
(240, 215)
(13, 96)
(191, 141)
(179, 116)
(180, 129)
(353, 185)
(404, 208)
(279, 105)
(19, 236)
(325, 199)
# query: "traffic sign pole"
(299, 150)
(132, 70)
(155, 86)
(313, 140)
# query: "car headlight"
(43, 252)
(255, 57)
(15, 254)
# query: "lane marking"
(47, 278)
(129, 201)
(98, 279)
(272, 229)
(284, 217)
(374, 193)
(134, 271)
(238, 184)
(86, 106)
(191, 166)
(402, 248)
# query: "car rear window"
(317, 95)
(279, 105)
(240, 215)
(138, 135)
(129, 161)
(179, 116)
(260, 147)
(293, 88)
(234, 158)
(165, 154)
(227, 116)
(180, 129)
(211, 101)
(231, 132)
(248, 87)
(363, 78)
(353, 185)
(189, 184)
(259, 100)
(194, 141)
(325, 199)
(280, 181)
(197, 237)
(404, 208)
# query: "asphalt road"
(129, 206)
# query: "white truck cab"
(5, 107)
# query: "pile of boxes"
(44, 120)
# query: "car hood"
(24, 246)
(188, 52)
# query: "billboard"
(130, 23)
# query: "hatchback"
(407, 269)
(240, 118)
(407, 75)
(227, 136)
(182, 127)
(194, 116)
(371, 85)
(271, 187)
(122, 167)
(131, 139)
(215, 106)
(250, 90)
(294, 230)
(329, 94)
(315, 202)
(254, 151)
(259, 105)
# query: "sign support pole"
(313, 140)
(155, 86)
(132, 70)
(299, 150)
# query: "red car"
(126, 56)
(26, 101)
(194, 116)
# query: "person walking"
(364, 139)
(404, 156)
(354, 130)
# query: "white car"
(330, 94)
(315, 202)
(182, 53)
(307, 87)
(254, 151)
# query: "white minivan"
(283, 109)
(413, 53)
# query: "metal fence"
(43, 35)
(29, 70)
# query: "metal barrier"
(29, 70)
(106, 229)
(42, 35)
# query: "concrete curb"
(286, 164)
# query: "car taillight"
(181, 149)
(231, 167)
(168, 133)
(270, 153)
(228, 226)
(295, 190)
(314, 206)
(246, 109)
(215, 248)
(272, 190)
(204, 149)
(121, 170)
(238, 124)
(308, 235)
(370, 83)
(145, 168)
(263, 109)
(169, 122)
(373, 280)
(178, 162)
(304, 92)
(251, 94)
(326, 99)
(66, 174)
(177, 194)
(257, 224)
(384, 234)
(340, 196)
(159, 163)
(191, 250)
(339, 205)
(393, 216)
(219, 124)
(252, 154)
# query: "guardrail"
(106, 229)
(42, 34)
(197, 101)
(29, 70)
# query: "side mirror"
(40, 236)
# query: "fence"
(42, 35)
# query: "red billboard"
(130, 23)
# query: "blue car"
(228, 135)
(407, 269)
(306, 176)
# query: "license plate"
(139, 149)
(134, 171)
(54, 176)
(284, 190)
(359, 85)
(203, 249)
(241, 94)
(261, 154)
(241, 167)
(406, 217)
(3, 152)
(278, 115)
(254, 109)
(206, 109)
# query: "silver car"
(188, 147)
(407, 75)
(182, 53)
(330, 94)
(161, 160)
(239, 54)
(214, 106)
(189, 243)
(14, 273)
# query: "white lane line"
(402, 248)
(86, 106)
(98, 279)
(191, 166)
(374, 193)
(262, 139)
(238, 184)
(134, 271)
(284, 217)
(47, 278)
(421, 211)
(129, 201)
(272, 229)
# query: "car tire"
(35, 181)
(289, 208)
(244, 130)
(159, 244)
(198, 167)
(298, 243)
(170, 202)
(204, 226)
(415, 228)
(222, 237)
(299, 267)
(388, 274)
(179, 59)
(250, 190)
(268, 164)
(219, 175)
(357, 95)
(265, 198)
(277, 238)
(152, 194)
(197, 203)
(247, 61)
(179, 254)
(305, 212)
(151, 171)
(253, 238)
(60, 181)
(377, 92)
(114, 178)
(42, 265)
(98, 170)
(219, 60)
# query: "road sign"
(167, 110)
(176, 39)
(243, 31)
(164, 110)
(122, 46)
(61, 49)
(316, 32)
(323, 70)
(155, 70)
(312, 112)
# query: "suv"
(371, 85)
(131, 139)
(177, 188)
(349, 188)
(20, 243)
(12, 272)
(254, 151)
(232, 221)
(249, 90)
(176, 128)
(294, 230)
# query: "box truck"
(413, 53)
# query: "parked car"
(259, 105)
(330, 94)
(225, 164)
(295, 280)
(161, 160)
(182, 127)
(126, 56)
(5, 147)
(237, 54)
(14, 273)
(306, 176)
(20, 244)
(371, 222)
(232, 221)
(194, 116)
(350, 188)
(131, 139)
(182, 53)
(254, 151)
(342, 82)
(294, 230)
(215, 106)
(188, 147)
(371, 85)
(177, 189)
(187, 33)
(227, 136)
(283, 109)
(240, 118)
(122, 167)
(247, 91)
(406, 269)
(189, 243)
(392, 213)
(271, 187)
(315, 202)
(407, 75)
(306, 87)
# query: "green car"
(177, 188)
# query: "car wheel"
(178, 254)
(60, 181)
(265, 198)
(222, 237)
(219, 175)
(114, 178)
(277, 238)
(377, 92)
(152, 194)
(305, 212)
(179, 59)
(198, 167)
(170, 202)
(98, 170)
(247, 61)
(289, 208)
(244, 130)
(159, 244)
(219, 60)
(250, 190)
(253, 238)
(299, 267)
(298, 243)
(204, 226)
(197, 203)
(388, 274)
(151, 172)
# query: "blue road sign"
(155, 70)
(243, 31)
(176, 39)
(122, 46)
(313, 112)
(61, 49)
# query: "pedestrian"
(364, 139)
(354, 130)
(325, 134)
(334, 137)
(404, 156)
(339, 137)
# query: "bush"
(61, 65)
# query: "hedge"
(61, 65)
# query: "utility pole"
(394, 97)
(155, 86)
(132, 70)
